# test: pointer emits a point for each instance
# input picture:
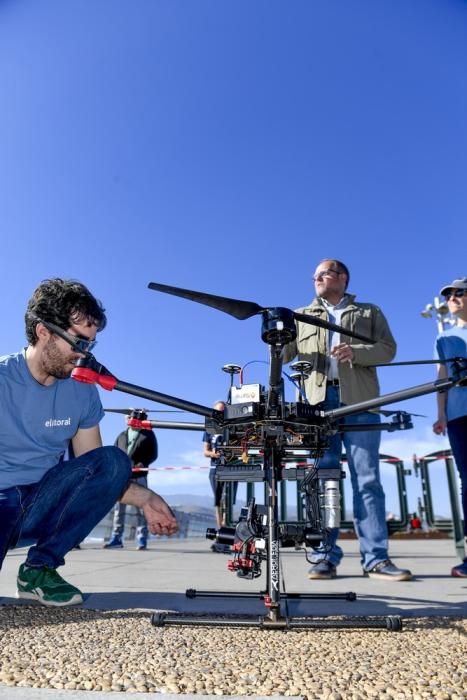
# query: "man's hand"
(160, 519)
(159, 516)
(439, 428)
(342, 352)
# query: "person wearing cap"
(141, 447)
(452, 405)
(342, 373)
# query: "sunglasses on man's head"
(454, 293)
(79, 343)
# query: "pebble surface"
(121, 651)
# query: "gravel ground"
(122, 651)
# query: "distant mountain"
(189, 499)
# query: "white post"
(441, 310)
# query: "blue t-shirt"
(453, 343)
(37, 422)
(213, 443)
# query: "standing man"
(43, 499)
(342, 374)
(452, 405)
(141, 447)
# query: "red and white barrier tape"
(172, 469)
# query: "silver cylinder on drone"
(331, 503)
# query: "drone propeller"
(392, 413)
(129, 411)
(235, 307)
(407, 363)
(243, 310)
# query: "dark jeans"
(218, 487)
(60, 510)
(457, 433)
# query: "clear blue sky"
(228, 147)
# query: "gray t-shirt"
(37, 422)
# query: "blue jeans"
(457, 433)
(60, 510)
(369, 503)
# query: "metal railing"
(423, 467)
(453, 525)
(394, 525)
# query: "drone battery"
(304, 411)
(241, 412)
(240, 473)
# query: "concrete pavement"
(156, 579)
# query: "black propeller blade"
(315, 321)
(392, 413)
(417, 362)
(235, 307)
(129, 411)
(246, 309)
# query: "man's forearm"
(135, 495)
(441, 399)
(367, 355)
(442, 396)
(159, 516)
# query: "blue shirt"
(213, 443)
(334, 315)
(37, 422)
(453, 343)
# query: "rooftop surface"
(158, 577)
(110, 638)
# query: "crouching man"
(44, 499)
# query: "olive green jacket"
(358, 381)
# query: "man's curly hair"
(62, 302)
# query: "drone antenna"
(302, 370)
(232, 370)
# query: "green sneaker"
(46, 586)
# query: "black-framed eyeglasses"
(326, 273)
(454, 293)
(79, 343)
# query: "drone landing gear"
(273, 595)
(274, 619)
(390, 623)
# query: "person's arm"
(145, 452)
(150, 445)
(85, 440)
(439, 427)
(209, 452)
(382, 350)
(159, 516)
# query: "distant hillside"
(189, 499)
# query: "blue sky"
(228, 147)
